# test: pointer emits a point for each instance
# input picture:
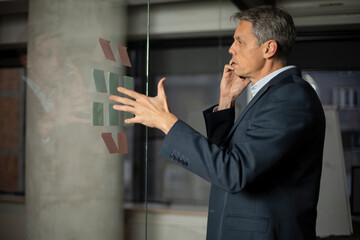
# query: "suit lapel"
(274, 81)
(247, 108)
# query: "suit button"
(174, 158)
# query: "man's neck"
(269, 67)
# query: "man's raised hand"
(149, 111)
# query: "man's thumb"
(161, 89)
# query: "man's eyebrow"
(237, 37)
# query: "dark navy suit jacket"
(265, 168)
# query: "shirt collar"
(255, 88)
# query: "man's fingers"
(125, 108)
(129, 92)
(122, 100)
(228, 68)
(131, 120)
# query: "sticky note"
(113, 83)
(113, 115)
(122, 143)
(105, 45)
(129, 84)
(124, 56)
(109, 142)
(98, 114)
(99, 79)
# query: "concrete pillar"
(74, 186)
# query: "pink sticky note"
(105, 45)
(122, 142)
(124, 56)
(109, 142)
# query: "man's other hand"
(231, 87)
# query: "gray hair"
(271, 23)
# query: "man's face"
(247, 56)
(47, 58)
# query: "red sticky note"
(124, 56)
(122, 143)
(109, 142)
(105, 45)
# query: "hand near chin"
(231, 87)
(150, 111)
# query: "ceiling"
(245, 4)
(297, 7)
(334, 13)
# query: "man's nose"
(231, 50)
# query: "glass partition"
(192, 61)
(75, 162)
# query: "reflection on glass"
(57, 85)
(342, 88)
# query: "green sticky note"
(98, 114)
(128, 115)
(129, 84)
(113, 116)
(113, 83)
(99, 79)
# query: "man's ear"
(270, 48)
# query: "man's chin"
(242, 76)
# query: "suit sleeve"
(218, 124)
(275, 130)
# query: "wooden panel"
(9, 173)
(9, 122)
(10, 79)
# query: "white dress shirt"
(261, 83)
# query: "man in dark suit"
(264, 169)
